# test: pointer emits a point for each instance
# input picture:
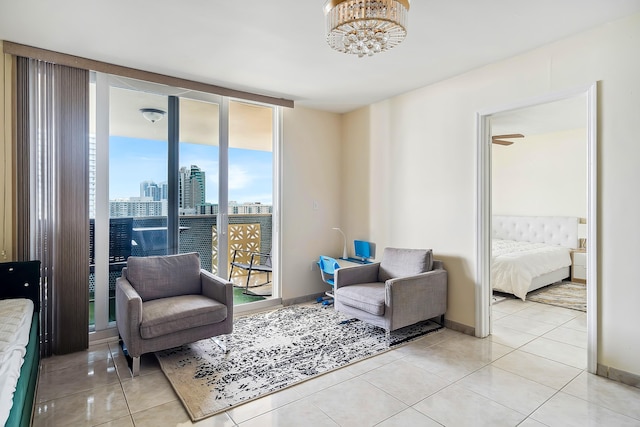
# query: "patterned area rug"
(563, 294)
(270, 351)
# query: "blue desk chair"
(328, 266)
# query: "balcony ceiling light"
(366, 27)
(152, 114)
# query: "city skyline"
(133, 161)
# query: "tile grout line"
(126, 401)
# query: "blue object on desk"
(364, 251)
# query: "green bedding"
(23, 397)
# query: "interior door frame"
(484, 212)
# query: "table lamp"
(582, 235)
(344, 247)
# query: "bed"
(19, 341)
(530, 252)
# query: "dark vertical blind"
(22, 157)
(53, 105)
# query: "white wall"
(310, 173)
(421, 186)
(541, 175)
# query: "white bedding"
(515, 264)
(15, 323)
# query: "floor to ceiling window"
(250, 228)
(198, 182)
(176, 171)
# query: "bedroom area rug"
(562, 294)
(270, 351)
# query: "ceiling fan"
(501, 139)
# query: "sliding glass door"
(175, 171)
(251, 192)
(198, 170)
(129, 212)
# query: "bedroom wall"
(541, 175)
(421, 182)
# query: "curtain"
(52, 148)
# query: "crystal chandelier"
(365, 27)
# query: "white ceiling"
(278, 48)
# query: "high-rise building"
(152, 190)
(249, 208)
(137, 207)
(207, 209)
(164, 191)
(191, 188)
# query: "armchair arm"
(128, 314)
(416, 297)
(366, 273)
(433, 278)
(217, 288)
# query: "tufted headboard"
(552, 230)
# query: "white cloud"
(239, 178)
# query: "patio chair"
(258, 262)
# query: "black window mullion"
(173, 165)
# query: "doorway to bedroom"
(537, 197)
(539, 203)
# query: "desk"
(354, 261)
(351, 262)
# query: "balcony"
(146, 236)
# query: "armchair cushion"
(164, 276)
(167, 315)
(368, 297)
(404, 262)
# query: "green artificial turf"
(240, 298)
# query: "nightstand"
(579, 265)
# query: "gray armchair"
(406, 287)
(167, 301)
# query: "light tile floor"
(530, 372)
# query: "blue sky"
(132, 161)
